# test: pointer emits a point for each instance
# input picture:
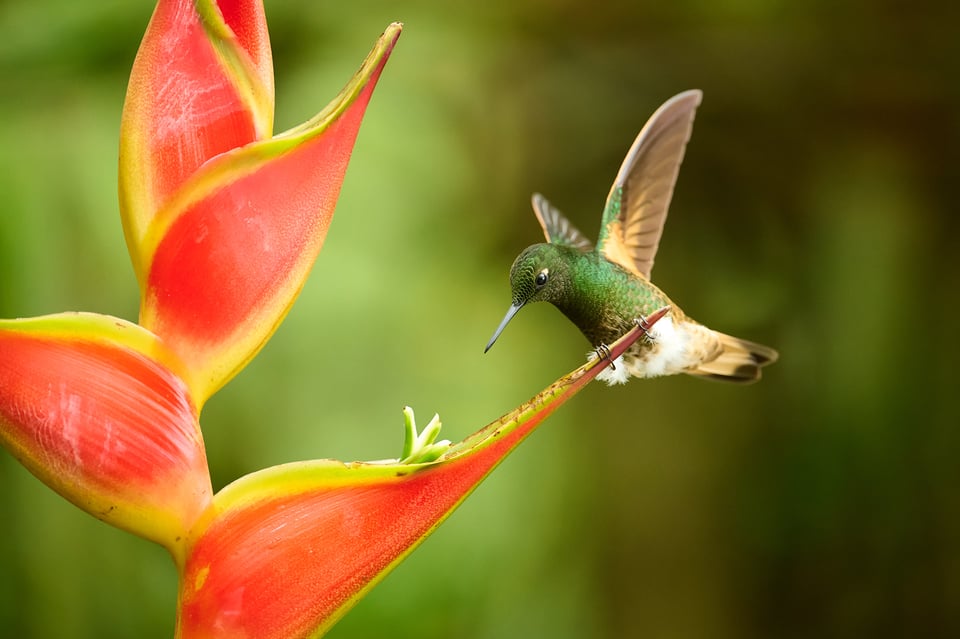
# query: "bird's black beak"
(506, 320)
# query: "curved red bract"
(227, 256)
(285, 552)
(106, 426)
(228, 265)
(250, 572)
(188, 108)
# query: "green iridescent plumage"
(605, 289)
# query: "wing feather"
(556, 227)
(638, 202)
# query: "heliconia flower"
(92, 406)
(223, 222)
(283, 553)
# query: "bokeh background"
(816, 211)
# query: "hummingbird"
(605, 289)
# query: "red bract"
(198, 88)
(285, 552)
(235, 248)
(91, 405)
(223, 222)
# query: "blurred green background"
(815, 211)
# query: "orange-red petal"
(197, 89)
(230, 255)
(91, 406)
(285, 552)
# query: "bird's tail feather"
(738, 361)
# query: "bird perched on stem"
(606, 289)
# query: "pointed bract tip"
(655, 316)
(392, 32)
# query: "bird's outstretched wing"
(556, 227)
(637, 205)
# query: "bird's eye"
(541, 278)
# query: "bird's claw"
(644, 327)
(603, 352)
(646, 323)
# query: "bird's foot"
(603, 352)
(646, 323)
(644, 327)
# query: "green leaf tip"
(421, 448)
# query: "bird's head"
(539, 274)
